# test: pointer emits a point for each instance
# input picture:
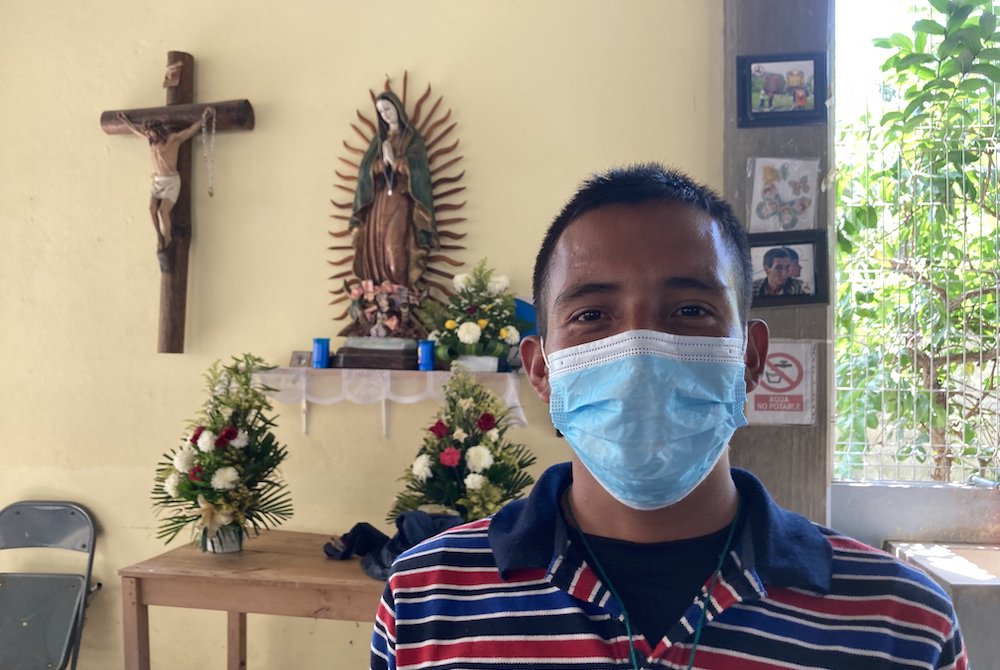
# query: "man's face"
(157, 133)
(657, 266)
(777, 274)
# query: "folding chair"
(41, 613)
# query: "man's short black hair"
(793, 255)
(778, 252)
(637, 184)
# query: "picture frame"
(783, 194)
(301, 359)
(781, 90)
(782, 250)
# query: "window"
(918, 275)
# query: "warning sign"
(787, 386)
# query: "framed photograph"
(782, 194)
(780, 90)
(789, 268)
(301, 359)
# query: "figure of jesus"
(164, 147)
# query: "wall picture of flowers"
(783, 194)
(223, 479)
(466, 464)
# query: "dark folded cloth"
(378, 550)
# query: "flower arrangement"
(382, 310)
(224, 473)
(466, 464)
(478, 319)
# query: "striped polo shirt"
(515, 592)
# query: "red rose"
(450, 457)
(440, 429)
(196, 434)
(228, 434)
(486, 421)
(195, 473)
(471, 309)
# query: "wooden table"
(278, 572)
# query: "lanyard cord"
(704, 606)
(604, 578)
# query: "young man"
(647, 550)
(778, 280)
(795, 270)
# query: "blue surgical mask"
(648, 413)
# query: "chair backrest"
(42, 523)
(41, 613)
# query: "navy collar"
(786, 549)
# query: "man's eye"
(589, 315)
(692, 310)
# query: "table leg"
(135, 620)
(236, 641)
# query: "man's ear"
(756, 354)
(535, 367)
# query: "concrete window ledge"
(970, 573)
(874, 512)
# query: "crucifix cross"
(168, 129)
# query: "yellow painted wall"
(544, 92)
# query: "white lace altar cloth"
(333, 385)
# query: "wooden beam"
(229, 115)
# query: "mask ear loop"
(541, 345)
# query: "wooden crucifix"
(168, 129)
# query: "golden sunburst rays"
(433, 123)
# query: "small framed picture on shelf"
(780, 90)
(301, 359)
(789, 268)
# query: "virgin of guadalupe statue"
(403, 190)
(392, 218)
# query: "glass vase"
(227, 540)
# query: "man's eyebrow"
(585, 289)
(695, 283)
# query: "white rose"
(184, 459)
(478, 458)
(513, 336)
(459, 434)
(172, 484)
(421, 468)
(498, 284)
(493, 435)
(206, 441)
(465, 404)
(460, 281)
(474, 481)
(241, 440)
(225, 478)
(469, 332)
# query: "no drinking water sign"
(787, 389)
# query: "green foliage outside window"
(918, 243)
